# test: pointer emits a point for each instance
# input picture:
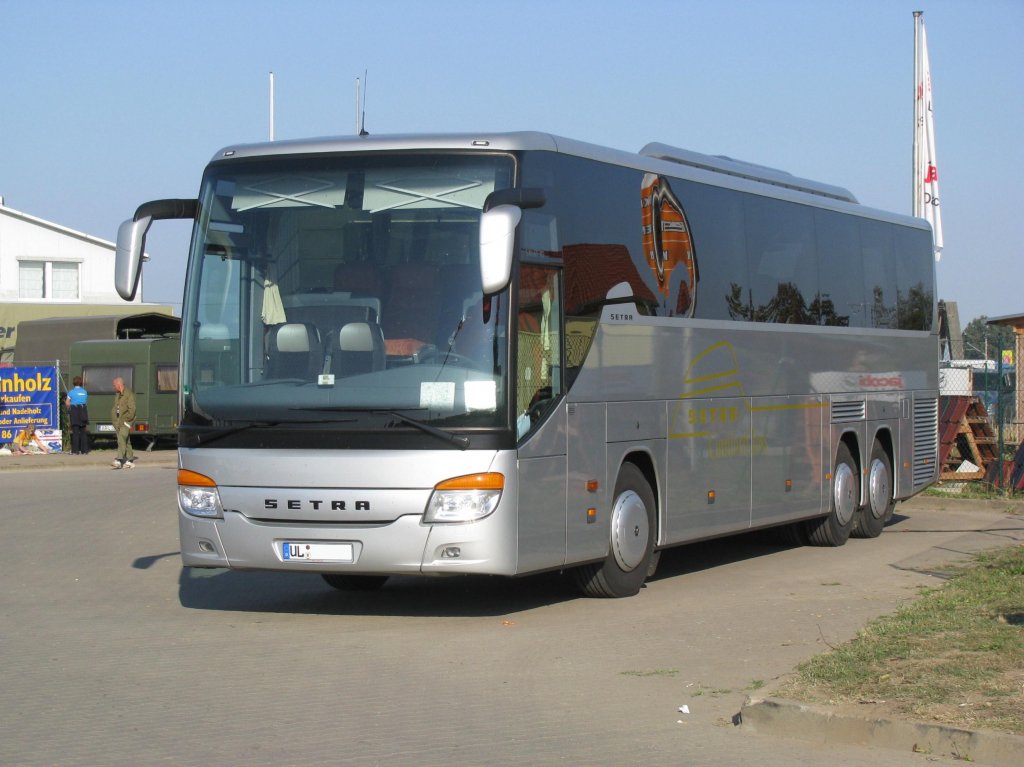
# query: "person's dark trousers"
(78, 416)
(79, 439)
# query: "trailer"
(149, 367)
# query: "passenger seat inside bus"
(294, 350)
(357, 347)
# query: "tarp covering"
(50, 339)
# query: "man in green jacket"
(122, 415)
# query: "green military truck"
(149, 367)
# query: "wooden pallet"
(1013, 472)
(965, 434)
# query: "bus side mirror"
(497, 237)
(131, 240)
(131, 244)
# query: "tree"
(979, 336)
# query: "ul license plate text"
(311, 551)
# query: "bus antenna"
(271, 106)
(361, 106)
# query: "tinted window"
(915, 298)
(716, 220)
(755, 258)
(598, 230)
(841, 270)
(783, 264)
(879, 273)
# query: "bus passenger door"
(540, 418)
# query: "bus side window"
(539, 374)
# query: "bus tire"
(792, 534)
(354, 582)
(631, 545)
(879, 505)
(834, 528)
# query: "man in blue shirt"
(78, 417)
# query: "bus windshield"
(322, 287)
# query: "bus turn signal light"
(489, 481)
(194, 479)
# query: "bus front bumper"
(403, 546)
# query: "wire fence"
(981, 424)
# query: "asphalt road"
(112, 654)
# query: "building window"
(56, 280)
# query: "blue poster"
(28, 397)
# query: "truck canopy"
(49, 340)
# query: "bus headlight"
(198, 496)
(465, 499)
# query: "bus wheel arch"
(844, 498)
(879, 498)
(633, 531)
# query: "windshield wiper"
(454, 439)
(459, 441)
(204, 438)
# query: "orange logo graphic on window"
(666, 241)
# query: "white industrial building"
(48, 270)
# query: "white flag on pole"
(926, 170)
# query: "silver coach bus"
(511, 353)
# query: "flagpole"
(915, 206)
(926, 170)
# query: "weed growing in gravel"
(955, 656)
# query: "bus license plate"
(312, 551)
(105, 427)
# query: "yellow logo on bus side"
(714, 372)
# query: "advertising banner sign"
(28, 397)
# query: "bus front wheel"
(631, 545)
(834, 528)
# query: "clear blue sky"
(107, 104)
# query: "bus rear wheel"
(873, 515)
(354, 582)
(834, 528)
(631, 546)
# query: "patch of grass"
(655, 672)
(955, 655)
(700, 690)
(972, 490)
